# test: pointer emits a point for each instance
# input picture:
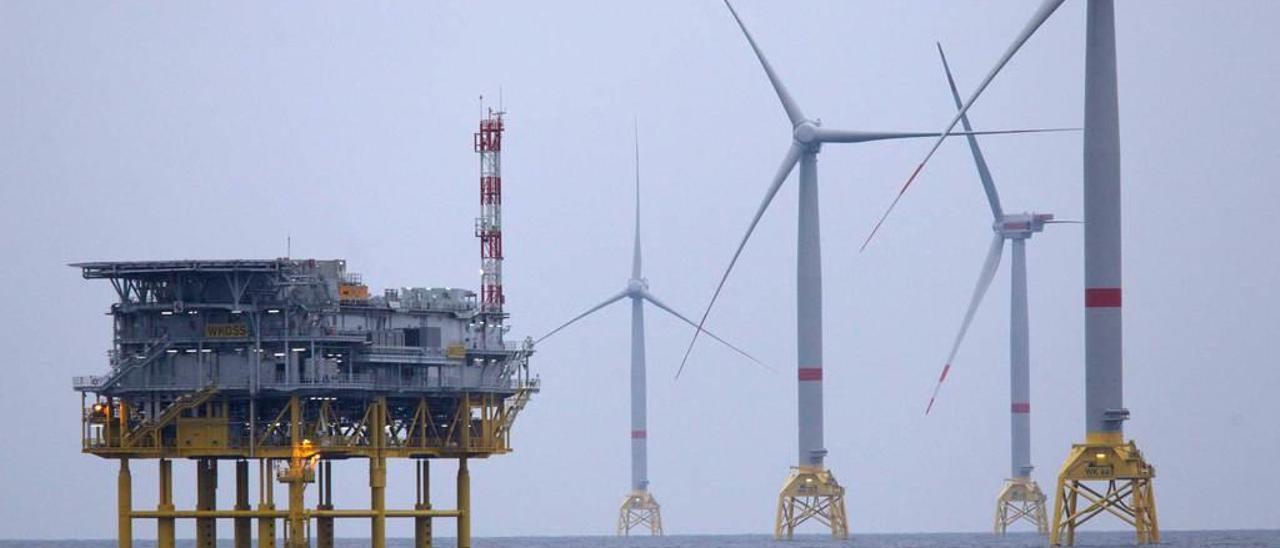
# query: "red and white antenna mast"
(488, 144)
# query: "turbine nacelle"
(806, 133)
(1021, 225)
(637, 287)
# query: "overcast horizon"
(145, 131)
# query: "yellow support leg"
(640, 509)
(297, 507)
(165, 527)
(1111, 477)
(378, 475)
(266, 503)
(378, 502)
(242, 524)
(299, 474)
(124, 505)
(206, 499)
(811, 493)
(324, 525)
(464, 504)
(422, 524)
(1021, 500)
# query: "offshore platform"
(292, 364)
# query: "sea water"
(1170, 539)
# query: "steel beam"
(243, 525)
(124, 505)
(206, 499)
(165, 527)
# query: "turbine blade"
(1063, 221)
(984, 173)
(649, 297)
(788, 163)
(589, 311)
(979, 291)
(1047, 7)
(825, 135)
(635, 258)
(788, 104)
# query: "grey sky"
(213, 130)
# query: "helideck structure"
(281, 366)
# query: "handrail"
(120, 368)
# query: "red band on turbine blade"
(945, 370)
(810, 373)
(1021, 407)
(1102, 297)
(639, 434)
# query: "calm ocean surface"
(1172, 539)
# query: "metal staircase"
(151, 428)
(522, 397)
(122, 367)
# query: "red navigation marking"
(1102, 297)
(639, 434)
(1021, 407)
(810, 373)
(945, 370)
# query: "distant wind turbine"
(639, 508)
(1021, 497)
(811, 491)
(1104, 457)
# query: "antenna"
(488, 144)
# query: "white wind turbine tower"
(1021, 497)
(810, 490)
(640, 508)
(1127, 479)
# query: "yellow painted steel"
(464, 505)
(300, 472)
(207, 500)
(243, 525)
(640, 509)
(811, 493)
(324, 524)
(266, 504)
(422, 525)
(289, 447)
(124, 505)
(1111, 477)
(378, 476)
(166, 531)
(1104, 438)
(1021, 500)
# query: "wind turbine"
(810, 491)
(640, 508)
(1104, 457)
(1020, 498)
